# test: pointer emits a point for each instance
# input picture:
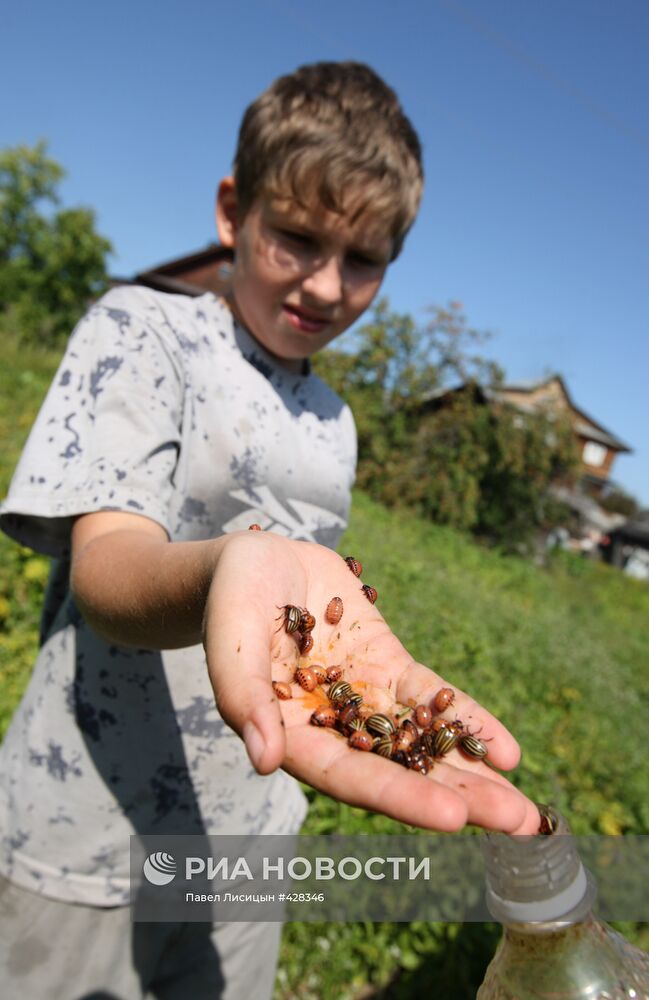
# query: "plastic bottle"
(552, 946)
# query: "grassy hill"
(560, 653)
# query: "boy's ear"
(226, 212)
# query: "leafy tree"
(52, 261)
(618, 501)
(406, 360)
(432, 436)
(386, 370)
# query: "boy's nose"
(325, 282)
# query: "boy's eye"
(362, 260)
(300, 239)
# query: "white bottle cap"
(516, 911)
(536, 878)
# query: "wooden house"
(205, 270)
(598, 447)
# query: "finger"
(326, 761)
(240, 676)
(492, 801)
(246, 701)
(371, 782)
(383, 670)
(531, 821)
(419, 685)
(255, 573)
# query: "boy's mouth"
(304, 319)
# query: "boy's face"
(300, 278)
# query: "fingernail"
(255, 744)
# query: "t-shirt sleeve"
(108, 434)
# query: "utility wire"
(544, 71)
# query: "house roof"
(446, 390)
(590, 512)
(586, 426)
(176, 275)
(213, 253)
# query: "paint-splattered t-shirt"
(166, 407)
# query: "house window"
(593, 453)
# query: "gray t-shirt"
(166, 407)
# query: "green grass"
(25, 374)
(559, 653)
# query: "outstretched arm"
(138, 589)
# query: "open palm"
(247, 647)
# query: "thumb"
(238, 662)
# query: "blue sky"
(533, 117)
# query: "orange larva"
(355, 566)
(255, 527)
(334, 611)
(423, 716)
(324, 716)
(334, 673)
(307, 621)
(402, 740)
(319, 671)
(419, 763)
(282, 690)
(370, 593)
(443, 699)
(360, 739)
(306, 678)
(306, 643)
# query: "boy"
(172, 424)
